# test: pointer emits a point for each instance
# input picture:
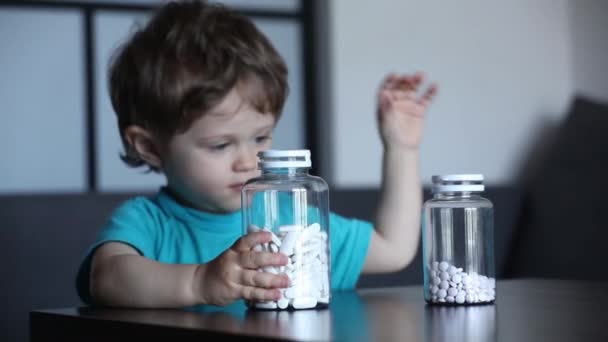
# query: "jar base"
(253, 307)
(431, 303)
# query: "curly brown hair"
(183, 62)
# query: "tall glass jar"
(458, 242)
(294, 206)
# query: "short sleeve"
(349, 244)
(133, 223)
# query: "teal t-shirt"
(161, 229)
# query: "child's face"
(208, 164)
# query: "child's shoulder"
(139, 207)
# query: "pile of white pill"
(448, 283)
(307, 269)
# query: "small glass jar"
(294, 206)
(458, 242)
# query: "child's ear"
(145, 144)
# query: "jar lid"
(458, 183)
(271, 159)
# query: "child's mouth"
(236, 187)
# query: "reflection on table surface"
(524, 310)
(375, 316)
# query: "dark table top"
(525, 310)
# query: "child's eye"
(220, 147)
(262, 139)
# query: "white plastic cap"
(458, 183)
(274, 159)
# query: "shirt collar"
(228, 222)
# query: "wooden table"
(525, 310)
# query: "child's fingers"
(389, 82)
(254, 260)
(263, 279)
(247, 242)
(259, 294)
(428, 95)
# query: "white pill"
(253, 228)
(266, 305)
(304, 302)
(323, 257)
(314, 228)
(452, 292)
(469, 298)
(442, 293)
(444, 284)
(434, 289)
(443, 265)
(434, 298)
(274, 248)
(288, 243)
(436, 280)
(283, 303)
(492, 283)
(311, 247)
(432, 274)
(435, 265)
(460, 299)
(444, 275)
(456, 278)
(270, 269)
(290, 292)
(452, 270)
(275, 239)
(449, 299)
(466, 279)
(483, 297)
(290, 228)
(323, 236)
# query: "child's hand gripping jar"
(458, 242)
(294, 206)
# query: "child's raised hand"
(234, 274)
(401, 109)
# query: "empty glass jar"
(458, 242)
(294, 206)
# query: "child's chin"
(231, 207)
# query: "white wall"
(589, 20)
(505, 70)
(41, 101)
(43, 95)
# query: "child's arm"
(400, 121)
(120, 276)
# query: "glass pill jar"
(458, 242)
(293, 205)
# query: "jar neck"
(286, 171)
(456, 194)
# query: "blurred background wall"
(507, 71)
(58, 130)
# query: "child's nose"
(246, 161)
